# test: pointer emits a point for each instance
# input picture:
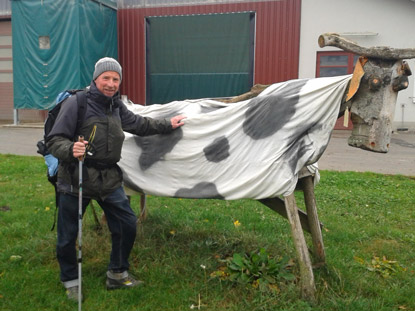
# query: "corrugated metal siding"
(6, 81)
(6, 71)
(277, 40)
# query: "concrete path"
(399, 160)
(20, 140)
(339, 156)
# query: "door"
(199, 56)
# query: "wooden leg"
(278, 205)
(308, 287)
(143, 207)
(97, 223)
(313, 221)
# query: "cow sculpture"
(266, 143)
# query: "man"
(106, 118)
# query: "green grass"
(368, 231)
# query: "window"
(336, 63)
(330, 64)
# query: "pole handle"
(81, 139)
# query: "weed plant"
(185, 246)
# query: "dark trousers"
(121, 223)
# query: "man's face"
(108, 83)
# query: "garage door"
(199, 56)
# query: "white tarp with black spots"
(250, 149)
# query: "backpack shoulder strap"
(82, 102)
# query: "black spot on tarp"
(266, 115)
(203, 190)
(218, 150)
(155, 147)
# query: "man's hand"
(79, 148)
(177, 121)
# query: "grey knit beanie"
(107, 64)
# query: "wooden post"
(313, 221)
(308, 288)
(97, 223)
(143, 208)
(278, 205)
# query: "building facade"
(239, 43)
(368, 23)
(273, 33)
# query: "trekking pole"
(81, 161)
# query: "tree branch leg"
(313, 221)
(308, 287)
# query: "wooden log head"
(373, 105)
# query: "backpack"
(52, 162)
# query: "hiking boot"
(72, 293)
(121, 280)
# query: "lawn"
(216, 255)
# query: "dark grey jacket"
(105, 120)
